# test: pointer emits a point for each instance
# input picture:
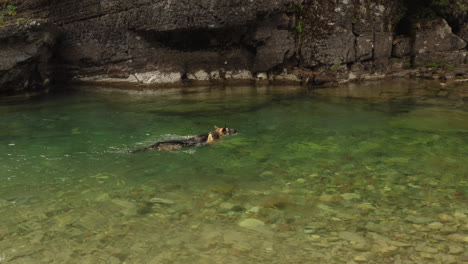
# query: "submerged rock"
(254, 210)
(327, 198)
(433, 119)
(226, 206)
(419, 219)
(435, 226)
(161, 200)
(388, 251)
(66, 219)
(251, 223)
(455, 249)
(224, 189)
(350, 196)
(379, 228)
(458, 238)
(126, 207)
(444, 218)
(363, 257)
(352, 237)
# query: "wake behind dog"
(200, 140)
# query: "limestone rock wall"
(212, 41)
(121, 38)
(456, 14)
(434, 41)
(25, 53)
(347, 31)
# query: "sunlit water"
(373, 173)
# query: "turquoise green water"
(313, 166)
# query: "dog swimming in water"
(200, 140)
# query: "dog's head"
(221, 132)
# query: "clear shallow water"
(366, 173)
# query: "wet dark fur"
(200, 140)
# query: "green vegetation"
(425, 13)
(299, 14)
(300, 18)
(336, 66)
(11, 10)
(446, 3)
(405, 62)
(462, 6)
(433, 63)
(438, 63)
(7, 11)
(440, 2)
(299, 27)
(428, 9)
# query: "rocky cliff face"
(167, 42)
(25, 52)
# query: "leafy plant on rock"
(11, 10)
(300, 10)
(440, 2)
(7, 11)
(462, 6)
(336, 66)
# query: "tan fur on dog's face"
(221, 132)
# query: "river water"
(366, 173)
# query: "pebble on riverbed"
(251, 223)
(161, 201)
(419, 219)
(435, 226)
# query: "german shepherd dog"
(200, 140)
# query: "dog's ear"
(225, 126)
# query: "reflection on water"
(367, 173)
